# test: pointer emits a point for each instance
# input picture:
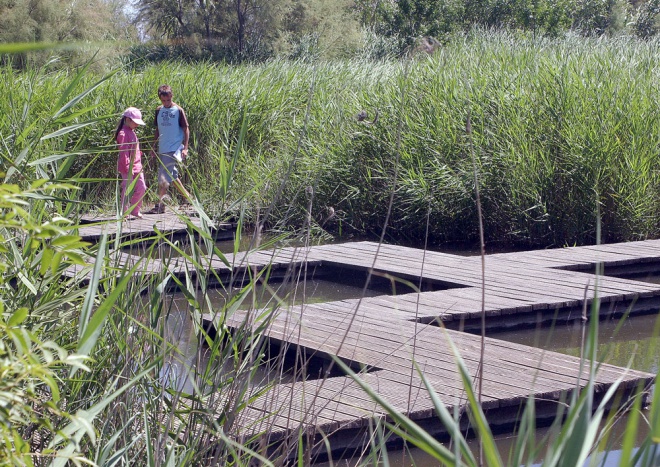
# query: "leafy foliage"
(33, 256)
(238, 31)
(49, 21)
(413, 19)
(30, 400)
(647, 22)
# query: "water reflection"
(505, 445)
(178, 369)
(633, 342)
(183, 368)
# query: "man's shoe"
(159, 208)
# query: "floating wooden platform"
(523, 288)
(392, 335)
(392, 348)
(387, 336)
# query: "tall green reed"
(560, 126)
(580, 428)
(97, 341)
(549, 148)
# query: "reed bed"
(555, 144)
(561, 129)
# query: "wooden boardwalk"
(171, 222)
(520, 288)
(390, 347)
(387, 335)
(390, 335)
(523, 288)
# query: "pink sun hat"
(134, 114)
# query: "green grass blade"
(69, 129)
(81, 423)
(630, 435)
(22, 47)
(92, 329)
(405, 427)
(92, 288)
(477, 415)
(452, 425)
(74, 101)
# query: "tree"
(248, 29)
(320, 28)
(167, 18)
(252, 23)
(91, 21)
(233, 27)
(410, 20)
(647, 24)
(599, 16)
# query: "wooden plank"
(319, 339)
(382, 333)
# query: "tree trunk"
(241, 16)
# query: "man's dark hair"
(164, 90)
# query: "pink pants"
(139, 189)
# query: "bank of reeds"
(85, 365)
(559, 127)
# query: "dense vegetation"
(236, 31)
(564, 133)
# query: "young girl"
(130, 160)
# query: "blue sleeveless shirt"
(170, 132)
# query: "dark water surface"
(180, 329)
(632, 342)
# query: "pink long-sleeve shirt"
(128, 141)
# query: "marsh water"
(631, 342)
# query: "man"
(172, 136)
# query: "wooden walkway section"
(387, 335)
(339, 410)
(520, 288)
(171, 223)
(391, 335)
(523, 288)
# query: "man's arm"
(156, 133)
(183, 122)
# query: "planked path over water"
(393, 350)
(520, 288)
(389, 335)
(173, 221)
(386, 334)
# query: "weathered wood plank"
(383, 333)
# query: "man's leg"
(177, 183)
(163, 185)
(168, 174)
